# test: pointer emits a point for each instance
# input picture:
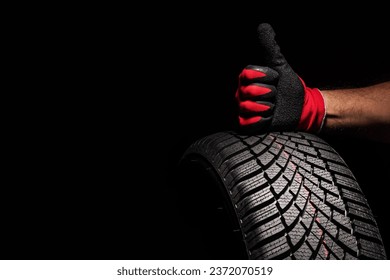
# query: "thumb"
(271, 50)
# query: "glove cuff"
(313, 111)
(324, 111)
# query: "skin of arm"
(362, 112)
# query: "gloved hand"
(273, 97)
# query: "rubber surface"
(287, 195)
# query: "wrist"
(313, 111)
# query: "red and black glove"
(273, 97)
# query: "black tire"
(273, 196)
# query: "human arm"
(361, 112)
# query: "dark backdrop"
(205, 53)
(94, 175)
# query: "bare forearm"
(364, 112)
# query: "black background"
(92, 172)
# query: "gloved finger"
(269, 46)
(250, 108)
(258, 74)
(249, 120)
(256, 92)
(290, 94)
(254, 124)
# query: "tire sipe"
(273, 196)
